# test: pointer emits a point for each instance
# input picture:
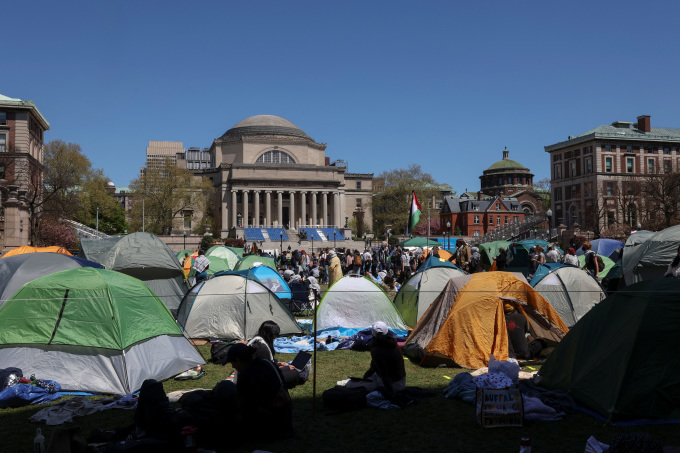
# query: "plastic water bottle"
(525, 445)
(39, 442)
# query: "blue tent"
(611, 248)
(269, 278)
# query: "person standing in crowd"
(570, 257)
(553, 256)
(349, 261)
(501, 259)
(463, 255)
(674, 267)
(368, 261)
(475, 260)
(200, 266)
(334, 268)
(591, 260)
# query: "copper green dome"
(506, 163)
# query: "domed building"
(270, 173)
(510, 179)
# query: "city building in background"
(598, 178)
(22, 130)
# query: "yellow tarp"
(29, 249)
(475, 326)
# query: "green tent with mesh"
(250, 261)
(231, 254)
(93, 330)
(621, 358)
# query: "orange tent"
(29, 249)
(466, 323)
(443, 254)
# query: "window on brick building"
(476, 233)
(630, 165)
(3, 142)
(650, 166)
(490, 220)
(666, 150)
(515, 219)
(2, 172)
(667, 167)
(3, 118)
(557, 171)
(589, 165)
(507, 219)
(359, 185)
(610, 188)
(476, 220)
(608, 164)
(358, 201)
(608, 148)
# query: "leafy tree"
(53, 231)
(95, 201)
(391, 202)
(421, 228)
(206, 242)
(164, 193)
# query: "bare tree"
(662, 192)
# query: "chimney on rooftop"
(644, 123)
(479, 195)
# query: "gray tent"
(17, 270)
(650, 259)
(231, 306)
(144, 256)
(571, 291)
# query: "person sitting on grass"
(386, 371)
(262, 395)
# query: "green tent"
(611, 269)
(180, 255)
(419, 242)
(216, 265)
(621, 359)
(231, 254)
(421, 289)
(93, 330)
(490, 250)
(249, 261)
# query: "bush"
(238, 243)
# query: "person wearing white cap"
(387, 362)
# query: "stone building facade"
(596, 177)
(270, 173)
(22, 129)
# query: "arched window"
(275, 157)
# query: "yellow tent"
(29, 249)
(466, 323)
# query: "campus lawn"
(435, 424)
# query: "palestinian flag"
(414, 215)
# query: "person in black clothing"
(521, 346)
(262, 396)
(501, 259)
(387, 362)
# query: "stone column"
(324, 208)
(256, 203)
(342, 209)
(245, 207)
(314, 219)
(336, 209)
(233, 208)
(268, 208)
(303, 204)
(225, 208)
(279, 207)
(292, 209)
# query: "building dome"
(506, 164)
(265, 125)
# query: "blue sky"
(446, 85)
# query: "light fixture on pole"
(448, 232)
(334, 233)
(549, 213)
(185, 240)
(281, 236)
(97, 221)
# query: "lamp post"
(334, 233)
(549, 213)
(185, 240)
(281, 236)
(448, 232)
(97, 221)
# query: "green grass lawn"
(436, 424)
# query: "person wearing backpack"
(592, 263)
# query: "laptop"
(301, 359)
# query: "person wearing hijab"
(334, 269)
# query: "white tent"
(231, 306)
(356, 303)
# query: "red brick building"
(476, 215)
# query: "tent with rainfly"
(621, 358)
(93, 330)
(250, 261)
(231, 306)
(144, 256)
(17, 270)
(571, 291)
(650, 259)
(231, 254)
(355, 303)
(466, 323)
(611, 248)
(269, 278)
(423, 287)
(611, 269)
(29, 249)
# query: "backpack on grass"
(344, 399)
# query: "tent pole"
(314, 361)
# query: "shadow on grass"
(434, 424)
